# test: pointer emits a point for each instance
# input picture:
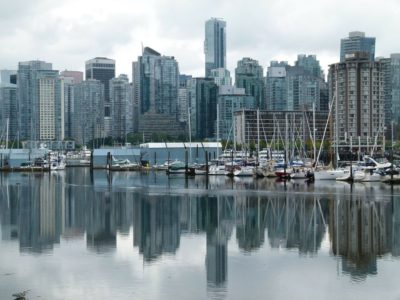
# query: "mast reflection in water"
(166, 220)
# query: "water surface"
(82, 235)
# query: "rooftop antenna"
(142, 48)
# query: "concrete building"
(70, 78)
(249, 75)
(88, 120)
(76, 75)
(357, 42)
(221, 76)
(395, 87)
(273, 126)
(183, 102)
(102, 69)
(214, 45)
(121, 106)
(359, 87)
(41, 102)
(231, 99)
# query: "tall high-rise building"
(249, 75)
(202, 94)
(9, 110)
(359, 86)
(76, 75)
(395, 87)
(70, 78)
(8, 76)
(40, 101)
(298, 87)
(221, 76)
(231, 99)
(276, 86)
(156, 78)
(310, 64)
(357, 42)
(102, 69)
(183, 100)
(121, 106)
(214, 45)
(88, 120)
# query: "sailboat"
(333, 173)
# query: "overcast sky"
(69, 32)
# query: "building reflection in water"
(361, 229)
(38, 210)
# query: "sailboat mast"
(258, 133)
(336, 121)
(8, 121)
(314, 142)
(217, 129)
(190, 135)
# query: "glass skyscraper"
(215, 45)
(156, 83)
(357, 42)
(102, 69)
(249, 75)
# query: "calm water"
(77, 235)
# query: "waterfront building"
(359, 88)
(136, 95)
(395, 87)
(231, 99)
(214, 45)
(183, 102)
(357, 42)
(41, 102)
(102, 69)
(70, 78)
(121, 106)
(9, 110)
(88, 120)
(273, 126)
(202, 94)
(249, 75)
(157, 80)
(221, 76)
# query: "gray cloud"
(263, 30)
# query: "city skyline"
(276, 31)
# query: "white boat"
(332, 174)
(57, 165)
(123, 164)
(243, 171)
(368, 176)
(216, 170)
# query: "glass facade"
(249, 75)
(357, 42)
(214, 45)
(88, 119)
(121, 106)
